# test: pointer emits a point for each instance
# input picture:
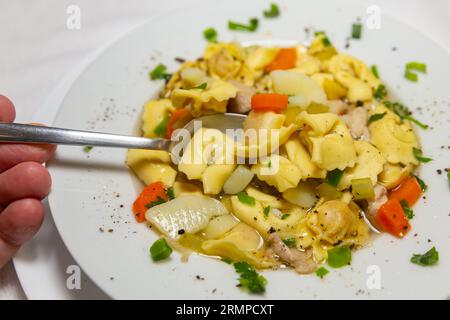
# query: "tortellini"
(155, 112)
(260, 57)
(224, 61)
(393, 174)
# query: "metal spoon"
(13, 132)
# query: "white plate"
(89, 189)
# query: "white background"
(37, 50)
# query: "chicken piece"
(242, 103)
(300, 260)
(356, 121)
(338, 107)
(379, 200)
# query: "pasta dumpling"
(155, 112)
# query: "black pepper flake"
(439, 171)
(199, 277)
(359, 103)
(110, 230)
(181, 231)
(271, 230)
(180, 60)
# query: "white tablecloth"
(37, 49)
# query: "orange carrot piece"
(286, 59)
(269, 102)
(178, 119)
(154, 192)
(392, 219)
(409, 190)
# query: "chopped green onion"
(246, 199)
(448, 178)
(418, 154)
(88, 149)
(159, 72)
(322, 272)
(326, 42)
(375, 117)
(356, 30)
(155, 203)
(403, 112)
(339, 256)
(249, 278)
(429, 258)
(266, 211)
(315, 108)
(171, 193)
(210, 34)
(160, 129)
(201, 86)
(409, 213)
(417, 122)
(160, 250)
(380, 92)
(251, 27)
(362, 189)
(333, 177)
(290, 242)
(318, 33)
(417, 66)
(422, 183)
(285, 216)
(375, 72)
(273, 12)
(327, 191)
(411, 76)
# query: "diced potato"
(215, 176)
(218, 226)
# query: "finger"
(26, 180)
(13, 154)
(7, 111)
(18, 223)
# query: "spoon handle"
(13, 132)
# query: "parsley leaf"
(246, 199)
(422, 183)
(88, 149)
(171, 193)
(159, 72)
(266, 211)
(290, 242)
(375, 117)
(160, 129)
(322, 272)
(417, 122)
(448, 178)
(380, 92)
(339, 256)
(251, 27)
(285, 216)
(419, 156)
(156, 202)
(409, 213)
(429, 258)
(249, 278)
(273, 12)
(375, 72)
(356, 30)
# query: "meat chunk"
(338, 107)
(242, 103)
(356, 120)
(300, 260)
(379, 200)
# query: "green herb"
(160, 129)
(246, 199)
(356, 30)
(318, 33)
(397, 108)
(322, 272)
(422, 183)
(171, 193)
(429, 258)
(417, 122)
(201, 86)
(326, 42)
(374, 69)
(273, 12)
(290, 242)
(418, 154)
(269, 164)
(251, 27)
(266, 211)
(380, 92)
(160, 250)
(448, 178)
(284, 216)
(88, 149)
(159, 72)
(417, 66)
(411, 76)
(409, 213)
(334, 176)
(249, 278)
(210, 34)
(375, 117)
(227, 260)
(155, 203)
(339, 256)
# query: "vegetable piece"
(362, 189)
(286, 59)
(246, 199)
(411, 76)
(160, 250)
(422, 183)
(88, 149)
(356, 30)
(419, 156)
(264, 102)
(375, 117)
(322, 272)
(160, 129)
(290, 242)
(210, 34)
(409, 213)
(249, 278)
(266, 211)
(178, 118)
(159, 72)
(392, 219)
(417, 122)
(375, 72)
(171, 193)
(380, 92)
(431, 257)
(403, 112)
(285, 216)
(220, 225)
(417, 66)
(409, 190)
(448, 178)
(327, 191)
(304, 195)
(273, 12)
(150, 194)
(333, 177)
(251, 27)
(339, 256)
(238, 180)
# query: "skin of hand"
(24, 182)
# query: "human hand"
(24, 182)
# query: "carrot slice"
(409, 190)
(178, 119)
(286, 59)
(392, 219)
(154, 192)
(269, 102)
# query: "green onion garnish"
(422, 183)
(417, 66)
(403, 112)
(380, 92)
(448, 178)
(411, 76)
(249, 278)
(375, 117)
(273, 12)
(334, 176)
(246, 199)
(210, 34)
(429, 258)
(417, 122)
(339, 256)
(160, 250)
(322, 272)
(409, 213)
(155, 203)
(356, 30)
(375, 72)
(285, 216)
(418, 154)
(160, 129)
(88, 149)
(266, 211)
(326, 42)
(251, 27)
(159, 72)
(171, 193)
(290, 242)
